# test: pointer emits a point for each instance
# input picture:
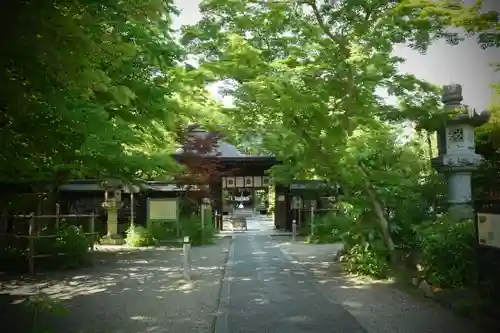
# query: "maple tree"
(306, 77)
(88, 89)
(199, 156)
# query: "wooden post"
(216, 215)
(202, 208)
(31, 244)
(58, 212)
(132, 212)
(312, 220)
(186, 249)
(92, 231)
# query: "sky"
(466, 64)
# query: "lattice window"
(457, 135)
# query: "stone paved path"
(277, 286)
(267, 293)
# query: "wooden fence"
(33, 233)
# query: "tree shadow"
(378, 305)
(125, 291)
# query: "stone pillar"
(457, 157)
(112, 205)
(112, 221)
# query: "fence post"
(202, 209)
(216, 215)
(294, 230)
(186, 249)
(132, 209)
(92, 231)
(58, 212)
(31, 244)
(312, 220)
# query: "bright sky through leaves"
(466, 63)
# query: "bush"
(69, 249)
(71, 242)
(138, 236)
(367, 258)
(158, 230)
(13, 258)
(364, 250)
(191, 226)
(162, 230)
(447, 252)
(328, 228)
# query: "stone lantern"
(457, 158)
(112, 203)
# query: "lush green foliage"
(307, 79)
(68, 249)
(94, 95)
(447, 252)
(191, 226)
(158, 231)
(70, 240)
(139, 236)
(163, 230)
(42, 304)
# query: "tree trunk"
(379, 211)
(429, 144)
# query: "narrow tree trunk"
(379, 211)
(429, 144)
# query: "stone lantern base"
(112, 238)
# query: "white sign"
(162, 209)
(241, 198)
(488, 226)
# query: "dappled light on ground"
(129, 291)
(376, 304)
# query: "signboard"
(488, 226)
(245, 182)
(162, 209)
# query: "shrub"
(364, 250)
(367, 258)
(13, 258)
(138, 236)
(328, 228)
(162, 230)
(191, 226)
(447, 252)
(68, 250)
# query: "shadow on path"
(134, 291)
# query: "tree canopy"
(88, 89)
(309, 78)
(95, 89)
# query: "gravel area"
(377, 305)
(133, 291)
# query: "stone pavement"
(132, 291)
(275, 285)
(265, 292)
